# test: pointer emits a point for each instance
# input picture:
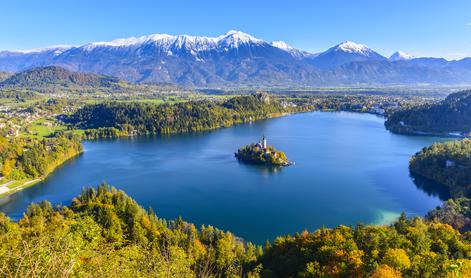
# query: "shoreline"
(6, 190)
(30, 182)
(271, 116)
(435, 134)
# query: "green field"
(44, 128)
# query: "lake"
(349, 169)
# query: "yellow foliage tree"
(397, 258)
(385, 271)
(7, 167)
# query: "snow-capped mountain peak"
(345, 53)
(235, 38)
(197, 43)
(282, 45)
(240, 58)
(352, 47)
(400, 56)
(296, 53)
(131, 41)
(57, 49)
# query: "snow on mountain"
(282, 45)
(132, 41)
(236, 38)
(236, 58)
(56, 49)
(291, 50)
(344, 53)
(351, 47)
(163, 41)
(156, 48)
(18, 60)
(400, 56)
(231, 39)
(166, 44)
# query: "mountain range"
(239, 59)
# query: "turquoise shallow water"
(348, 169)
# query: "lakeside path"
(6, 190)
(4, 187)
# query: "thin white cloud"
(468, 24)
(457, 55)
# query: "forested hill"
(115, 119)
(31, 158)
(42, 77)
(446, 163)
(448, 116)
(455, 212)
(104, 233)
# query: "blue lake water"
(349, 169)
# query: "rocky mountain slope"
(239, 59)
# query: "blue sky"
(420, 27)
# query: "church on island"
(262, 144)
(261, 153)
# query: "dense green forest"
(447, 163)
(104, 233)
(113, 119)
(253, 153)
(450, 115)
(26, 158)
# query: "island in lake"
(261, 153)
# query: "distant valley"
(237, 59)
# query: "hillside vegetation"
(455, 212)
(56, 75)
(408, 248)
(450, 115)
(104, 233)
(113, 119)
(46, 77)
(28, 158)
(446, 163)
